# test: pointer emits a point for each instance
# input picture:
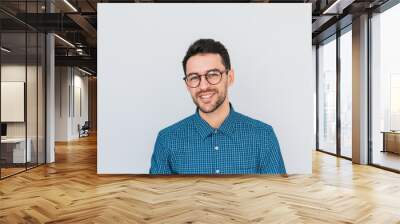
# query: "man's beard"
(214, 106)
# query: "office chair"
(84, 130)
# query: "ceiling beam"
(85, 61)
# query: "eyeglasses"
(213, 77)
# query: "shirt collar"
(227, 126)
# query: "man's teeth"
(206, 96)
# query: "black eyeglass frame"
(205, 76)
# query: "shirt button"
(216, 171)
(216, 130)
(216, 148)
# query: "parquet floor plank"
(70, 191)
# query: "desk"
(391, 141)
(16, 151)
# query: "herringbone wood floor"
(70, 191)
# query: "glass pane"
(22, 88)
(386, 89)
(346, 93)
(327, 96)
(31, 86)
(41, 98)
(13, 86)
(31, 101)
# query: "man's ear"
(231, 77)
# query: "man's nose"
(203, 83)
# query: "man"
(216, 139)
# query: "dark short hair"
(204, 46)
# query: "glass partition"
(32, 95)
(14, 153)
(41, 107)
(22, 101)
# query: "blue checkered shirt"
(241, 145)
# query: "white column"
(50, 92)
(50, 110)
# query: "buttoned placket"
(216, 147)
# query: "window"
(346, 94)
(327, 96)
(385, 89)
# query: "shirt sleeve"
(160, 158)
(271, 161)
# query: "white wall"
(79, 117)
(68, 81)
(140, 86)
(314, 73)
(61, 103)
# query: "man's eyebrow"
(209, 70)
(213, 70)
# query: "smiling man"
(215, 139)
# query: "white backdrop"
(140, 86)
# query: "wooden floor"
(70, 191)
(5, 172)
(387, 159)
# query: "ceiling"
(76, 22)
